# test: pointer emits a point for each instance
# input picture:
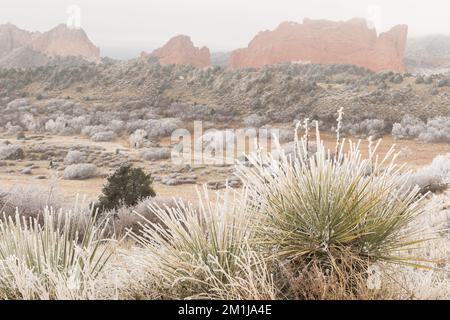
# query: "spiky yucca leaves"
(338, 213)
(58, 256)
(202, 252)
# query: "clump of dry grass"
(202, 253)
(52, 258)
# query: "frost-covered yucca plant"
(55, 257)
(338, 212)
(201, 252)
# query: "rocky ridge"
(326, 42)
(23, 49)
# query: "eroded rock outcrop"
(66, 42)
(180, 50)
(17, 44)
(326, 42)
(12, 38)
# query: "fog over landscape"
(123, 29)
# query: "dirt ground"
(413, 153)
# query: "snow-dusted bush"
(368, 127)
(255, 121)
(117, 126)
(78, 123)
(81, 171)
(138, 139)
(335, 214)
(133, 126)
(61, 126)
(136, 217)
(434, 177)
(155, 153)
(104, 136)
(29, 122)
(282, 135)
(220, 265)
(11, 152)
(74, 157)
(92, 130)
(435, 130)
(217, 140)
(155, 128)
(12, 129)
(162, 127)
(409, 127)
(286, 135)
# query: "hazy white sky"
(123, 28)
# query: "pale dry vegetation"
(308, 224)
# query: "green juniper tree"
(127, 186)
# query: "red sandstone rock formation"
(64, 42)
(326, 42)
(60, 41)
(12, 38)
(181, 50)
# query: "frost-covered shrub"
(117, 126)
(155, 128)
(337, 215)
(81, 171)
(104, 136)
(78, 123)
(13, 129)
(435, 177)
(59, 255)
(162, 127)
(138, 139)
(217, 140)
(368, 127)
(255, 121)
(134, 218)
(74, 157)
(11, 152)
(29, 122)
(286, 135)
(61, 126)
(92, 130)
(282, 135)
(203, 252)
(409, 127)
(435, 130)
(155, 153)
(135, 125)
